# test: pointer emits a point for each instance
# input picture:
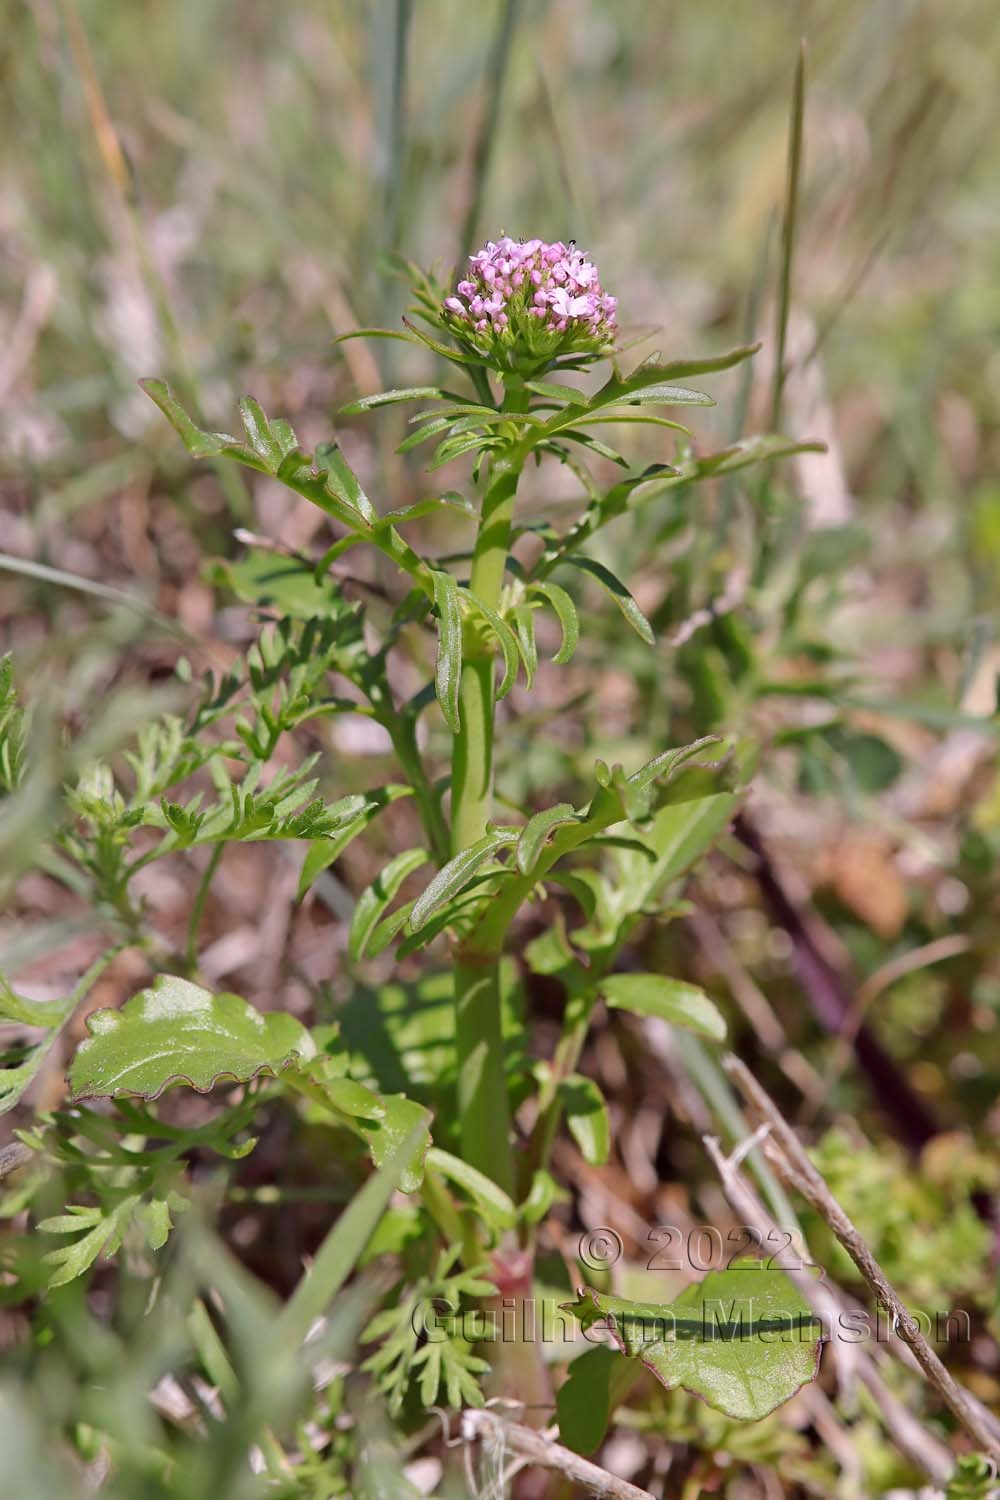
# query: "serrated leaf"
(323, 852)
(177, 1032)
(448, 671)
(745, 1339)
(537, 830)
(453, 877)
(618, 592)
(671, 1000)
(373, 902)
(565, 612)
(587, 1117)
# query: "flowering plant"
(468, 1127)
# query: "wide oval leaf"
(745, 1339)
(670, 999)
(177, 1032)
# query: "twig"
(540, 1451)
(907, 1432)
(803, 1176)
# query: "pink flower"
(529, 300)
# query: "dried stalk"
(910, 1436)
(792, 1161)
(541, 1452)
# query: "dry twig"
(541, 1452)
(791, 1160)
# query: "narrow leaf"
(258, 430)
(565, 612)
(391, 398)
(506, 638)
(448, 673)
(494, 1204)
(618, 592)
(342, 480)
(456, 874)
(537, 830)
(524, 620)
(373, 902)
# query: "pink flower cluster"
(518, 288)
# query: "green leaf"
(618, 592)
(448, 673)
(52, 1015)
(524, 620)
(653, 380)
(199, 443)
(373, 902)
(323, 852)
(286, 584)
(342, 480)
(745, 1339)
(565, 612)
(664, 767)
(506, 638)
(672, 1000)
(390, 398)
(456, 874)
(555, 391)
(177, 1032)
(258, 430)
(493, 1203)
(403, 1119)
(587, 1117)
(585, 1402)
(537, 830)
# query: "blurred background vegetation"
(212, 190)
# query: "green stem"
(483, 1105)
(198, 907)
(402, 732)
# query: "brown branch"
(541, 1452)
(792, 1161)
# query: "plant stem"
(483, 1106)
(198, 907)
(402, 732)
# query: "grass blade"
(788, 230)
